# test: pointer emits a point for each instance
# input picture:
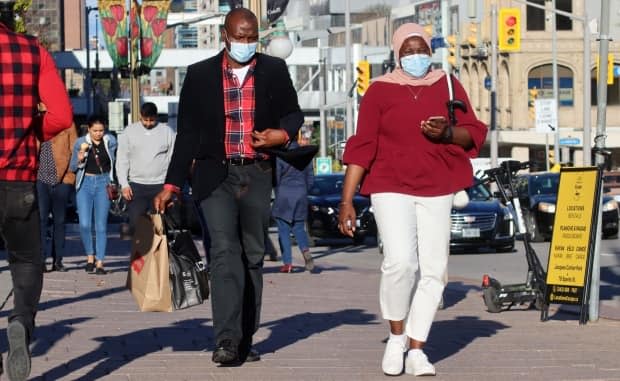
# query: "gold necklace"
(415, 95)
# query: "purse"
(189, 279)
(112, 191)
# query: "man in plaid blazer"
(28, 77)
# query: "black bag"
(298, 157)
(189, 280)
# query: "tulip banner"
(142, 33)
(153, 21)
(114, 24)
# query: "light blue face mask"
(242, 52)
(416, 64)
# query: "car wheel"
(505, 249)
(533, 229)
(359, 239)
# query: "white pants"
(416, 243)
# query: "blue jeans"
(92, 198)
(53, 198)
(284, 236)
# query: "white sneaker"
(393, 357)
(418, 365)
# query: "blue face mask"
(416, 64)
(241, 52)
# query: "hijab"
(398, 75)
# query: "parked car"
(538, 194)
(611, 184)
(484, 222)
(324, 205)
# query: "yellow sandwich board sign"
(572, 242)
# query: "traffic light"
(531, 103)
(363, 76)
(472, 37)
(451, 40)
(610, 68)
(509, 27)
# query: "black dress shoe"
(252, 356)
(226, 353)
(90, 267)
(59, 267)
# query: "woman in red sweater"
(410, 160)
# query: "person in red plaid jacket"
(28, 76)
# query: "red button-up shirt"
(239, 106)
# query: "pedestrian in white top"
(144, 152)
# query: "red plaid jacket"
(27, 76)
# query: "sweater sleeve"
(361, 148)
(59, 114)
(122, 159)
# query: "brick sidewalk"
(323, 326)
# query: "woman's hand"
(347, 218)
(434, 127)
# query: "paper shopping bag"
(148, 277)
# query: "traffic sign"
(570, 141)
(546, 115)
(323, 165)
(487, 82)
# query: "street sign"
(570, 141)
(323, 165)
(487, 82)
(546, 115)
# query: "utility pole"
(493, 110)
(88, 78)
(322, 124)
(347, 69)
(554, 70)
(601, 119)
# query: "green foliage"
(20, 8)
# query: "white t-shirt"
(241, 72)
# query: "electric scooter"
(498, 297)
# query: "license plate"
(471, 232)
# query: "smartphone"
(436, 118)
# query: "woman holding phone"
(410, 160)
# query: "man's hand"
(270, 137)
(127, 193)
(163, 200)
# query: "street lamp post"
(88, 77)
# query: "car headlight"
(328, 209)
(507, 215)
(546, 207)
(610, 205)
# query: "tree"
(20, 8)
